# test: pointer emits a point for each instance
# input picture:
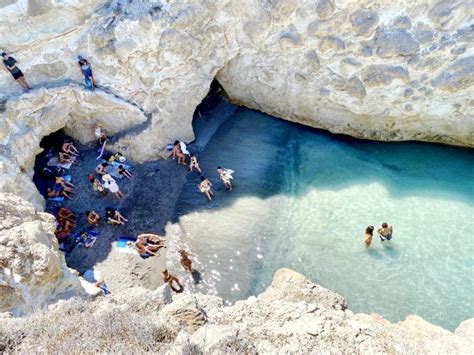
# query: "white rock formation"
(33, 272)
(310, 321)
(373, 69)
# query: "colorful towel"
(122, 246)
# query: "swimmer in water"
(205, 188)
(369, 233)
(194, 163)
(385, 231)
(172, 281)
(185, 261)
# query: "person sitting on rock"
(176, 152)
(205, 188)
(87, 72)
(172, 281)
(193, 164)
(92, 218)
(114, 216)
(124, 172)
(69, 148)
(185, 261)
(11, 65)
(96, 185)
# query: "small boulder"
(394, 42)
(363, 21)
(384, 74)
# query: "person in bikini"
(205, 188)
(369, 233)
(172, 281)
(124, 172)
(66, 185)
(66, 158)
(185, 261)
(69, 148)
(93, 218)
(193, 164)
(101, 169)
(56, 190)
(152, 239)
(385, 231)
(176, 152)
(114, 216)
(96, 185)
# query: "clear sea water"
(302, 199)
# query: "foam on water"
(302, 199)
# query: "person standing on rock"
(87, 72)
(185, 261)
(172, 281)
(11, 65)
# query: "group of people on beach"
(384, 231)
(179, 151)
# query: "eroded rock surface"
(274, 322)
(33, 272)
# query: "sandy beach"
(149, 201)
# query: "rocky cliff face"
(33, 272)
(292, 316)
(371, 69)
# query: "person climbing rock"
(11, 65)
(87, 72)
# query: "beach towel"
(122, 247)
(57, 199)
(112, 169)
(184, 148)
(54, 161)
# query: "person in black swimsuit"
(11, 65)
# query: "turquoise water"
(302, 199)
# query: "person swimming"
(369, 233)
(385, 231)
